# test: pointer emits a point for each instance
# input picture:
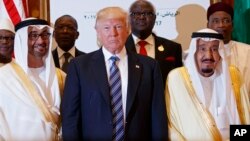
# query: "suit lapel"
(130, 44)
(78, 52)
(134, 76)
(98, 64)
(157, 44)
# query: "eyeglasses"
(144, 14)
(35, 36)
(6, 38)
(223, 21)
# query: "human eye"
(106, 27)
(59, 27)
(71, 28)
(33, 35)
(118, 26)
(149, 14)
(201, 48)
(226, 20)
(215, 49)
(215, 21)
(45, 35)
(137, 14)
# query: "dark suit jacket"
(56, 58)
(86, 110)
(168, 59)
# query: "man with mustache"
(30, 85)
(220, 18)
(205, 96)
(65, 34)
(7, 35)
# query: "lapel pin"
(161, 48)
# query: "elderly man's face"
(207, 56)
(6, 45)
(38, 41)
(142, 19)
(112, 33)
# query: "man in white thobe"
(220, 18)
(7, 35)
(204, 98)
(30, 87)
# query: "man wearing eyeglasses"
(144, 41)
(7, 34)
(32, 85)
(220, 18)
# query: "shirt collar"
(149, 39)
(107, 54)
(61, 52)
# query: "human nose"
(39, 39)
(209, 53)
(114, 31)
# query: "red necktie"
(142, 44)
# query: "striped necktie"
(116, 101)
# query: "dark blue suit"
(86, 110)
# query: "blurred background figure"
(143, 41)
(7, 35)
(220, 18)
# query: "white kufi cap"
(6, 24)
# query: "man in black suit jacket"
(86, 105)
(166, 52)
(65, 34)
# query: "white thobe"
(20, 117)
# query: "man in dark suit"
(112, 93)
(142, 19)
(65, 34)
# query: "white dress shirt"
(123, 68)
(60, 53)
(150, 47)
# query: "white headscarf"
(222, 81)
(21, 57)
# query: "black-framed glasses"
(6, 38)
(35, 36)
(225, 21)
(144, 14)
